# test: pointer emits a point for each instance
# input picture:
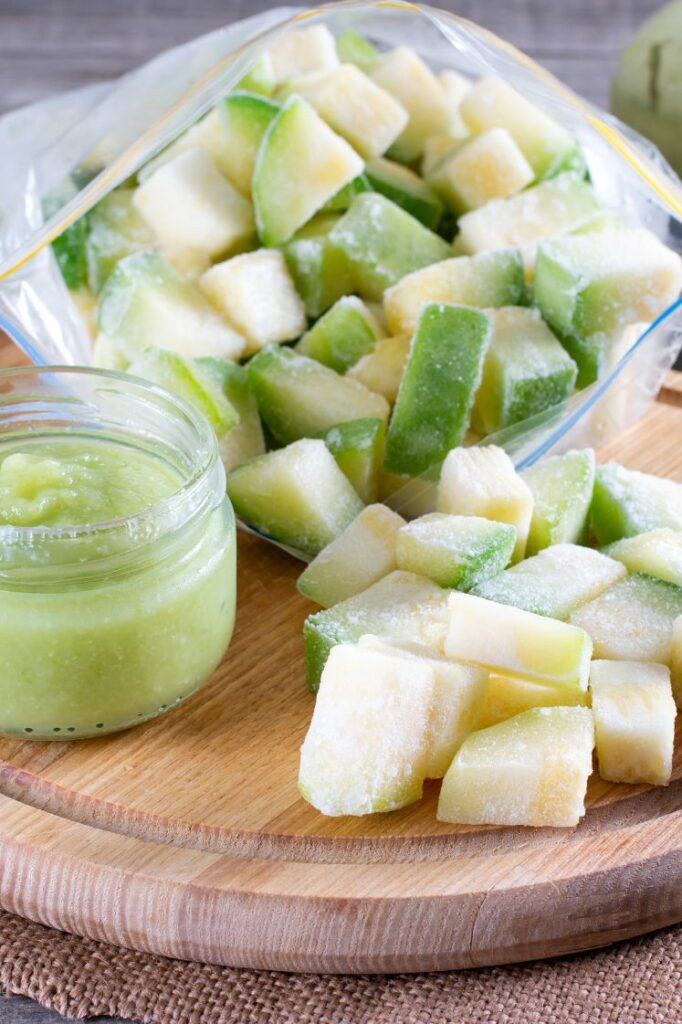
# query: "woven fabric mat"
(638, 982)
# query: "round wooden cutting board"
(187, 837)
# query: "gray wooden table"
(51, 45)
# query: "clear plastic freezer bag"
(84, 144)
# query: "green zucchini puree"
(101, 629)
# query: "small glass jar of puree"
(117, 552)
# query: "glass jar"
(106, 624)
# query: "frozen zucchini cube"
(145, 300)
(405, 75)
(411, 496)
(358, 109)
(483, 482)
(506, 697)
(69, 247)
(342, 335)
(455, 87)
(562, 494)
(627, 502)
(526, 370)
(656, 553)
(320, 270)
(296, 495)
(383, 243)
(634, 720)
(381, 370)
(300, 165)
(490, 166)
(457, 698)
(191, 382)
(433, 408)
(590, 287)
(188, 202)
(301, 51)
(632, 620)
(548, 147)
(352, 48)
(436, 148)
(358, 447)
(260, 78)
(256, 293)
(555, 581)
(245, 440)
(455, 551)
(530, 770)
(357, 558)
(343, 199)
(401, 604)
(244, 119)
(552, 208)
(406, 189)
(299, 397)
(512, 642)
(488, 280)
(115, 230)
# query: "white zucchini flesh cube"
(436, 147)
(512, 642)
(302, 51)
(207, 134)
(633, 620)
(357, 558)
(458, 694)
(529, 770)
(256, 293)
(656, 553)
(455, 87)
(403, 74)
(506, 697)
(188, 202)
(551, 208)
(489, 167)
(191, 263)
(634, 719)
(487, 280)
(554, 582)
(296, 495)
(382, 369)
(483, 482)
(300, 165)
(492, 103)
(358, 109)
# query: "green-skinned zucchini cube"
(245, 440)
(353, 48)
(626, 502)
(116, 230)
(406, 189)
(562, 494)
(358, 447)
(455, 551)
(321, 271)
(342, 335)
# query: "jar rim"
(167, 513)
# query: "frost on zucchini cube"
(590, 287)
(382, 369)
(455, 551)
(633, 620)
(383, 243)
(562, 489)
(526, 370)
(297, 495)
(491, 279)
(490, 166)
(358, 109)
(188, 203)
(360, 556)
(115, 230)
(506, 697)
(256, 293)
(299, 397)
(342, 335)
(433, 408)
(401, 604)
(145, 302)
(405, 75)
(657, 553)
(406, 189)
(358, 447)
(555, 581)
(634, 720)
(245, 439)
(381, 717)
(547, 146)
(483, 482)
(320, 270)
(302, 51)
(301, 164)
(529, 770)
(513, 642)
(627, 502)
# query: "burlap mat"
(638, 982)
